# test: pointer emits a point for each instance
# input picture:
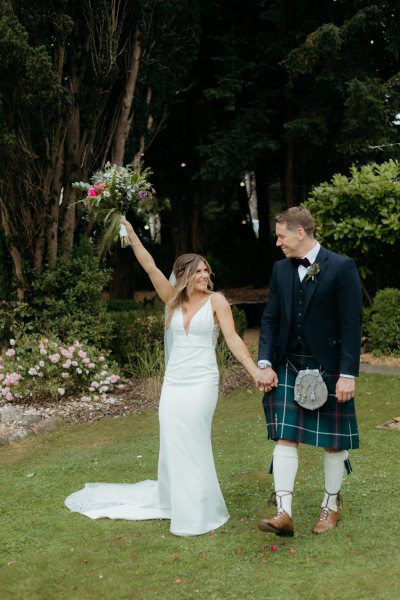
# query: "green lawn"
(46, 552)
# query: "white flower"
(12, 342)
(61, 391)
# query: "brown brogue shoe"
(280, 524)
(328, 519)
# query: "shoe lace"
(279, 513)
(275, 498)
(324, 514)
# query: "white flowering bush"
(37, 368)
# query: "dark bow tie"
(301, 261)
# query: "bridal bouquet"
(111, 193)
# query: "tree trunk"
(15, 254)
(288, 182)
(125, 114)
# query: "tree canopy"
(211, 94)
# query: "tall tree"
(77, 73)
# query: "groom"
(312, 319)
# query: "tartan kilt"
(333, 425)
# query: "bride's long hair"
(184, 269)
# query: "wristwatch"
(264, 364)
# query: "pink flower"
(114, 378)
(61, 391)
(65, 353)
(11, 378)
(9, 396)
(67, 364)
(71, 349)
(100, 187)
(54, 358)
(92, 192)
(32, 371)
(95, 384)
(91, 365)
(10, 352)
(85, 398)
(82, 354)
(41, 363)
(101, 358)
(43, 351)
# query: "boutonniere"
(312, 271)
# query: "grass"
(48, 553)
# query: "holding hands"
(266, 379)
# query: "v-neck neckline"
(187, 329)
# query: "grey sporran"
(310, 390)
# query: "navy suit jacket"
(332, 313)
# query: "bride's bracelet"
(137, 244)
(243, 357)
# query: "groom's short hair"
(295, 217)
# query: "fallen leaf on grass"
(324, 562)
(239, 552)
(264, 559)
(31, 474)
(176, 557)
(212, 535)
(292, 551)
(178, 581)
(10, 562)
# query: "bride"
(187, 490)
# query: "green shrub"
(66, 302)
(384, 322)
(134, 332)
(116, 305)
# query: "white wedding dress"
(187, 490)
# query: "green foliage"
(384, 322)
(148, 363)
(67, 301)
(136, 332)
(36, 368)
(14, 319)
(359, 215)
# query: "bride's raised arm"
(161, 284)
